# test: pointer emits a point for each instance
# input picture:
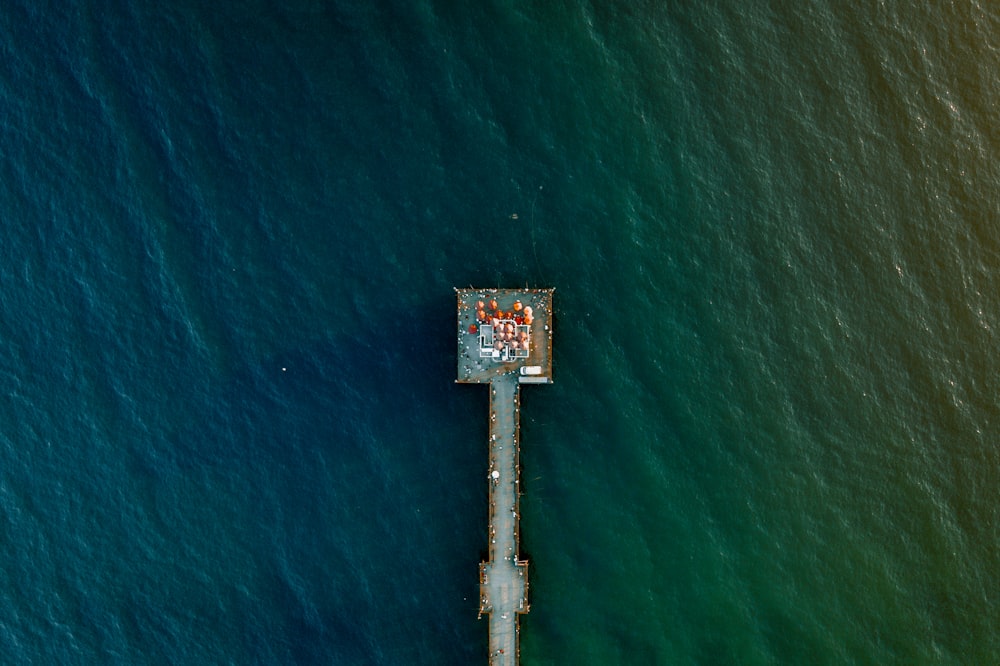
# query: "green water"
(230, 428)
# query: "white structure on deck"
(491, 345)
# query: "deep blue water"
(230, 232)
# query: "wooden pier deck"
(503, 578)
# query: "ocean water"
(230, 232)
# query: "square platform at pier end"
(504, 331)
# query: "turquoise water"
(230, 236)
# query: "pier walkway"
(501, 331)
(503, 580)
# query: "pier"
(504, 340)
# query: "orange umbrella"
(528, 320)
(493, 304)
(517, 306)
(479, 305)
(473, 329)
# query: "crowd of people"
(500, 329)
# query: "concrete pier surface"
(501, 331)
(505, 340)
